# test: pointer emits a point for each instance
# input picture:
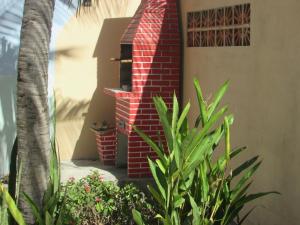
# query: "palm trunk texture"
(32, 101)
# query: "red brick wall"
(154, 34)
(155, 71)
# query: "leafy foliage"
(93, 201)
(191, 187)
(50, 213)
(8, 203)
(88, 201)
(3, 212)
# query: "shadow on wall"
(11, 12)
(8, 57)
(8, 71)
(101, 106)
(7, 120)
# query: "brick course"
(106, 145)
(154, 34)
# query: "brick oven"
(149, 66)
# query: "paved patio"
(81, 168)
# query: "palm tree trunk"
(32, 101)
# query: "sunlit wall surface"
(83, 49)
(264, 95)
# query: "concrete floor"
(81, 168)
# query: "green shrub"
(94, 201)
(50, 212)
(193, 185)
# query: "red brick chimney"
(149, 66)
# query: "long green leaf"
(196, 141)
(13, 209)
(227, 139)
(137, 217)
(183, 117)
(240, 194)
(34, 209)
(52, 203)
(160, 106)
(18, 180)
(186, 143)
(161, 166)
(206, 145)
(217, 98)
(60, 208)
(185, 184)
(237, 151)
(204, 181)
(159, 178)
(54, 170)
(152, 144)
(202, 104)
(198, 121)
(244, 166)
(48, 219)
(195, 210)
(156, 195)
(177, 153)
(175, 113)
(178, 201)
(222, 160)
(165, 221)
(3, 211)
(175, 218)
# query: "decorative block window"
(220, 27)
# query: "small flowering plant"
(91, 200)
(71, 180)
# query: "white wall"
(11, 13)
(10, 24)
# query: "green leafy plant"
(3, 212)
(50, 213)
(91, 200)
(192, 187)
(7, 202)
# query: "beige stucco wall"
(82, 69)
(264, 96)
